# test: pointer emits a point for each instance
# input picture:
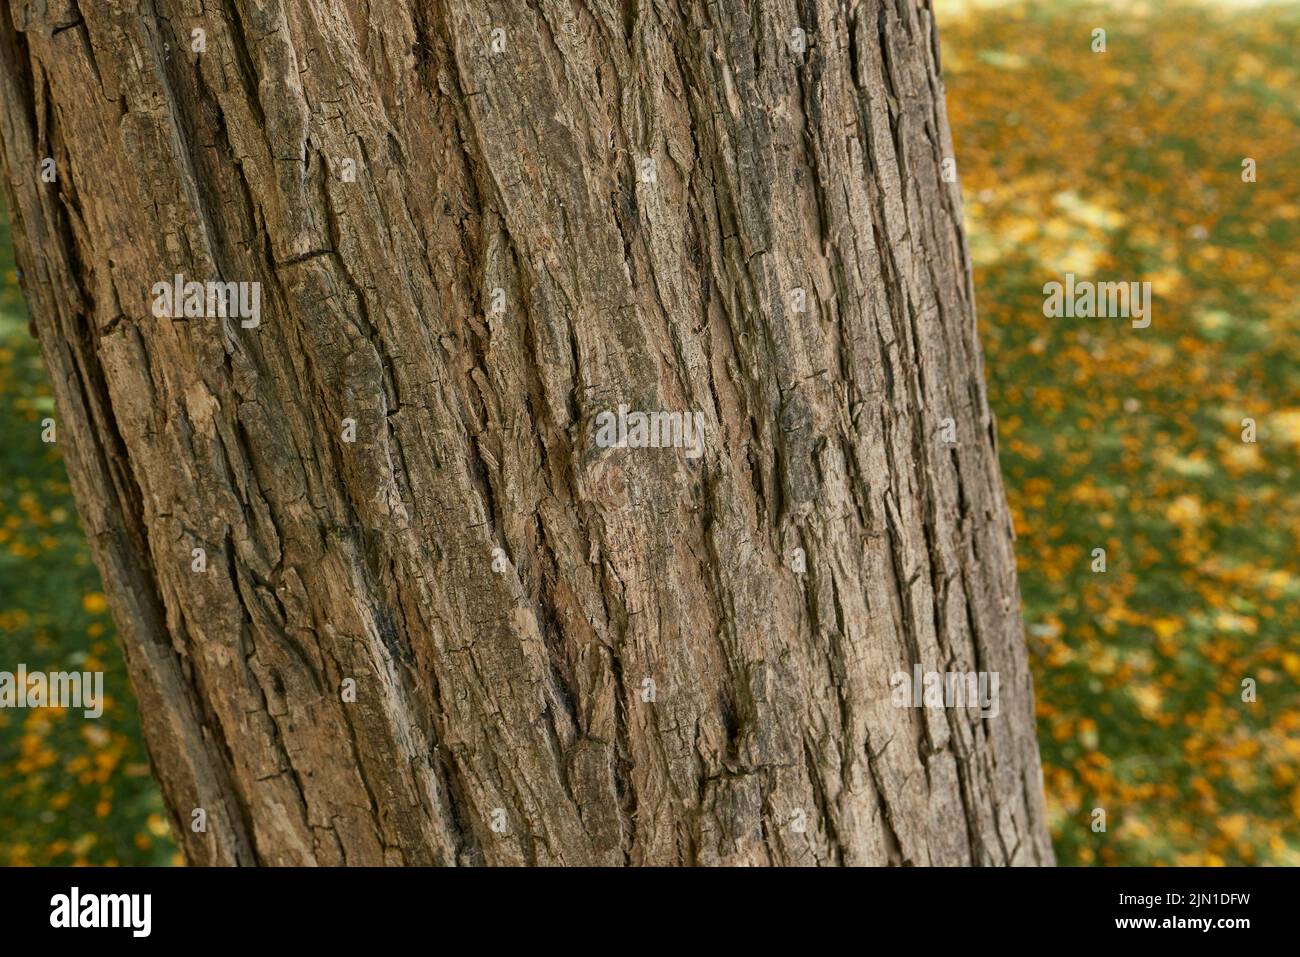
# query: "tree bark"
(471, 244)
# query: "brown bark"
(517, 696)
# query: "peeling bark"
(644, 677)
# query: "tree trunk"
(384, 593)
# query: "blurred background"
(1123, 165)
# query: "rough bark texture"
(522, 689)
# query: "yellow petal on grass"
(1286, 423)
(1166, 627)
(1291, 662)
(95, 603)
(1233, 826)
(1148, 699)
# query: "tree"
(529, 433)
